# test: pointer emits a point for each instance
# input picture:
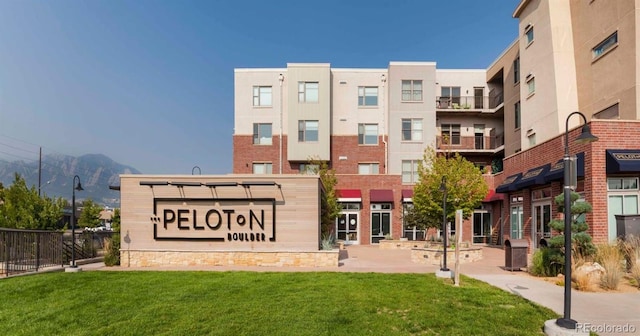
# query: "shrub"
(630, 247)
(112, 247)
(610, 257)
(328, 241)
(546, 262)
(635, 274)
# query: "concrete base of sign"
(444, 274)
(73, 269)
(552, 329)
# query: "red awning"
(349, 195)
(492, 196)
(407, 196)
(381, 196)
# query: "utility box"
(515, 254)
(627, 225)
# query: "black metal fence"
(30, 250)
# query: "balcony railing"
(469, 143)
(470, 102)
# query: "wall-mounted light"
(154, 183)
(186, 184)
(221, 184)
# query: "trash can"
(515, 254)
(627, 225)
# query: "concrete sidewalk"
(599, 309)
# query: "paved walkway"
(596, 308)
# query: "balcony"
(471, 103)
(470, 144)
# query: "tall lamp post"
(77, 187)
(569, 172)
(443, 188)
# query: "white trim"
(344, 199)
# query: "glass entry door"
(541, 219)
(481, 227)
(348, 227)
(380, 225)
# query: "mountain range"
(96, 172)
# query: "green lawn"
(247, 303)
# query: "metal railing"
(457, 142)
(29, 250)
(470, 102)
(23, 251)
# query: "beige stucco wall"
(550, 60)
(613, 77)
(245, 114)
(503, 66)
(403, 150)
(296, 227)
(321, 111)
(346, 114)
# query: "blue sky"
(150, 83)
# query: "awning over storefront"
(509, 184)
(623, 161)
(556, 172)
(492, 196)
(407, 196)
(532, 177)
(349, 195)
(381, 196)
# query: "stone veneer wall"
(400, 244)
(138, 258)
(433, 256)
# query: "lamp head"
(586, 136)
(443, 184)
(79, 186)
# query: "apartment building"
(372, 125)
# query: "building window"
(528, 32)
(262, 168)
(606, 45)
(309, 169)
(622, 199)
(411, 129)
(450, 134)
(531, 85)
(368, 168)
(516, 70)
(308, 92)
(450, 94)
(262, 134)
(367, 96)
(367, 134)
(516, 108)
(610, 112)
(410, 171)
(307, 130)
(517, 220)
(411, 90)
(261, 96)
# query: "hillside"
(96, 171)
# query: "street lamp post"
(73, 219)
(193, 170)
(443, 188)
(585, 137)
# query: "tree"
(465, 186)
(22, 208)
(329, 199)
(112, 255)
(581, 241)
(90, 216)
